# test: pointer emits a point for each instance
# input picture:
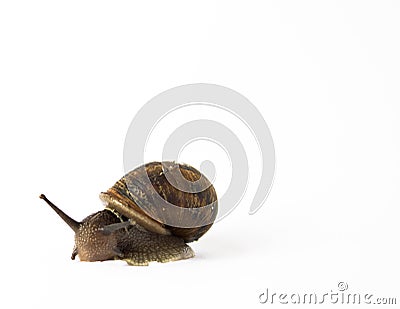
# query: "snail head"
(97, 236)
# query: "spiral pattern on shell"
(147, 190)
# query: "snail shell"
(137, 197)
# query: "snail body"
(135, 225)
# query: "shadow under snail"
(131, 227)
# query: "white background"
(325, 76)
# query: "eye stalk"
(74, 225)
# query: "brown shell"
(137, 196)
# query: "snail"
(135, 224)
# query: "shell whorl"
(136, 195)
